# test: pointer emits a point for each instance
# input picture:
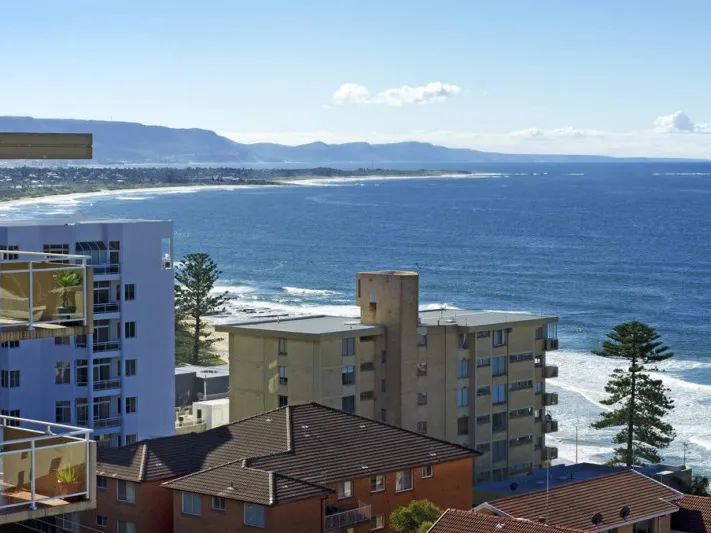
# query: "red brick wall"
(152, 511)
(304, 516)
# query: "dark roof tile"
(456, 521)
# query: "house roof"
(456, 521)
(694, 515)
(284, 454)
(574, 505)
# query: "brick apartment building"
(306, 468)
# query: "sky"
(616, 77)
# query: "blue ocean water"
(595, 244)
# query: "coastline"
(189, 188)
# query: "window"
(403, 480)
(421, 398)
(11, 248)
(82, 408)
(484, 361)
(463, 369)
(422, 368)
(498, 394)
(483, 391)
(283, 378)
(102, 521)
(499, 450)
(383, 415)
(422, 427)
(526, 467)
(126, 491)
(367, 395)
(69, 522)
(500, 337)
(422, 340)
(348, 375)
(131, 438)
(538, 362)
(130, 328)
(82, 372)
(192, 503)
(520, 385)
(483, 448)
(11, 412)
(366, 338)
(283, 401)
(520, 441)
(382, 385)
(10, 344)
(282, 346)
(129, 291)
(515, 358)
(539, 332)
(499, 367)
(125, 527)
(130, 367)
(463, 425)
(348, 404)
(253, 515)
(131, 404)
(166, 253)
(345, 490)
(463, 343)
(62, 372)
(483, 419)
(63, 412)
(62, 341)
(498, 422)
(377, 483)
(101, 482)
(462, 397)
(377, 522)
(643, 527)
(427, 471)
(9, 378)
(518, 413)
(367, 366)
(56, 249)
(537, 387)
(348, 347)
(482, 334)
(383, 356)
(218, 504)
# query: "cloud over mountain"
(432, 93)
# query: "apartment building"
(472, 378)
(113, 374)
(306, 468)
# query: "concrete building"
(115, 373)
(472, 378)
(195, 383)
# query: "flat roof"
(309, 325)
(462, 317)
(75, 219)
(205, 372)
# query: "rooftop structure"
(46, 145)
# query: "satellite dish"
(513, 486)
(597, 519)
(625, 512)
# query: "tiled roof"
(574, 505)
(694, 515)
(456, 521)
(288, 453)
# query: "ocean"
(595, 244)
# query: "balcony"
(107, 384)
(551, 426)
(105, 308)
(47, 469)
(106, 346)
(338, 519)
(550, 398)
(550, 371)
(111, 422)
(551, 344)
(106, 270)
(550, 453)
(44, 295)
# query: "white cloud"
(557, 133)
(432, 93)
(679, 122)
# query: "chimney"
(542, 519)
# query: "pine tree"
(196, 276)
(641, 402)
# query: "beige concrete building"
(474, 378)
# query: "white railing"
(105, 384)
(101, 423)
(106, 269)
(109, 307)
(347, 518)
(107, 346)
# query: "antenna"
(576, 444)
(686, 445)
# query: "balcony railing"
(101, 423)
(41, 291)
(106, 269)
(550, 371)
(551, 344)
(106, 384)
(109, 307)
(551, 426)
(46, 468)
(550, 453)
(550, 398)
(107, 346)
(343, 519)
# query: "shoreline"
(190, 188)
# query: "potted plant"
(68, 481)
(68, 280)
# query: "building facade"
(473, 378)
(118, 378)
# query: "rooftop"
(456, 521)
(694, 515)
(462, 317)
(305, 447)
(204, 372)
(310, 325)
(75, 219)
(576, 504)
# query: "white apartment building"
(119, 380)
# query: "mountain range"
(134, 143)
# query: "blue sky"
(586, 76)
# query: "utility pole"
(685, 444)
(576, 444)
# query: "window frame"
(191, 498)
(345, 490)
(131, 405)
(132, 369)
(255, 507)
(104, 521)
(378, 521)
(129, 295)
(398, 478)
(374, 483)
(427, 472)
(126, 485)
(103, 484)
(130, 329)
(222, 506)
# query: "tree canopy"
(416, 517)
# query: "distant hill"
(130, 142)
